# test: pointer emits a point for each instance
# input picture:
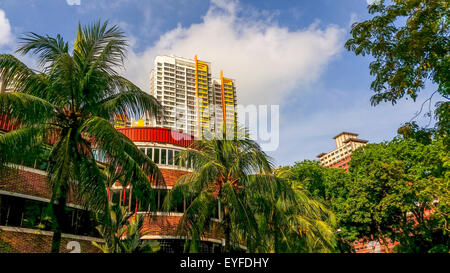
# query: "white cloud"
(6, 37)
(73, 2)
(370, 2)
(265, 59)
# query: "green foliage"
(329, 185)
(71, 104)
(391, 181)
(409, 40)
(123, 233)
(443, 124)
(412, 130)
(389, 192)
(32, 216)
(395, 184)
(290, 221)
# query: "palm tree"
(218, 187)
(70, 103)
(123, 233)
(233, 180)
(289, 220)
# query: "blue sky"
(286, 52)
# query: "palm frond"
(16, 145)
(128, 100)
(198, 215)
(91, 182)
(123, 152)
(60, 169)
(27, 109)
(12, 72)
(100, 47)
(232, 172)
(46, 48)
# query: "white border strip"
(31, 197)
(161, 237)
(27, 169)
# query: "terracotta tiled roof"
(348, 133)
(166, 225)
(356, 140)
(172, 176)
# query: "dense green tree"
(71, 104)
(397, 190)
(329, 185)
(395, 187)
(409, 40)
(412, 130)
(311, 176)
(394, 184)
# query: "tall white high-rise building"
(193, 103)
(173, 82)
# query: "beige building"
(346, 143)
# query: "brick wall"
(166, 225)
(20, 240)
(25, 182)
(171, 176)
(28, 181)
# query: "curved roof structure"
(157, 134)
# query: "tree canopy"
(409, 40)
(396, 190)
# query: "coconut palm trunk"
(58, 226)
(227, 230)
